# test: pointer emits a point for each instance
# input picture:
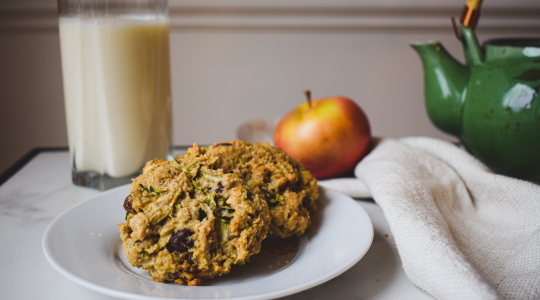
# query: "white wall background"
(239, 60)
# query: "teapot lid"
(517, 48)
(514, 42)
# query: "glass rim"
(111, 7)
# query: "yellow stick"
(474, 4)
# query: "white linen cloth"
(462, 231)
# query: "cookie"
(188, 221)
(288, 188)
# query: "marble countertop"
(42, 189)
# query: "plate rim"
(121, 294)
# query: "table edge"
(25, 159)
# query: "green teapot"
(491, 104)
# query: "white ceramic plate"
(83, 244)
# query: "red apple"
(328, 136)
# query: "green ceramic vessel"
(491, 104)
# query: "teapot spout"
(445, 81)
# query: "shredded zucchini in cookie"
(288, 188)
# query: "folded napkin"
(462, 231)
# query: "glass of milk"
(115, 64)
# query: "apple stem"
(308, 96)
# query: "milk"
(117, 92)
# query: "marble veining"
(42, 190)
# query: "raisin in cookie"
(188, 221)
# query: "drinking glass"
(115, 65)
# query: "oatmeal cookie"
(187, 221)
(288, 188)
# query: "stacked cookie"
(192, 218)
